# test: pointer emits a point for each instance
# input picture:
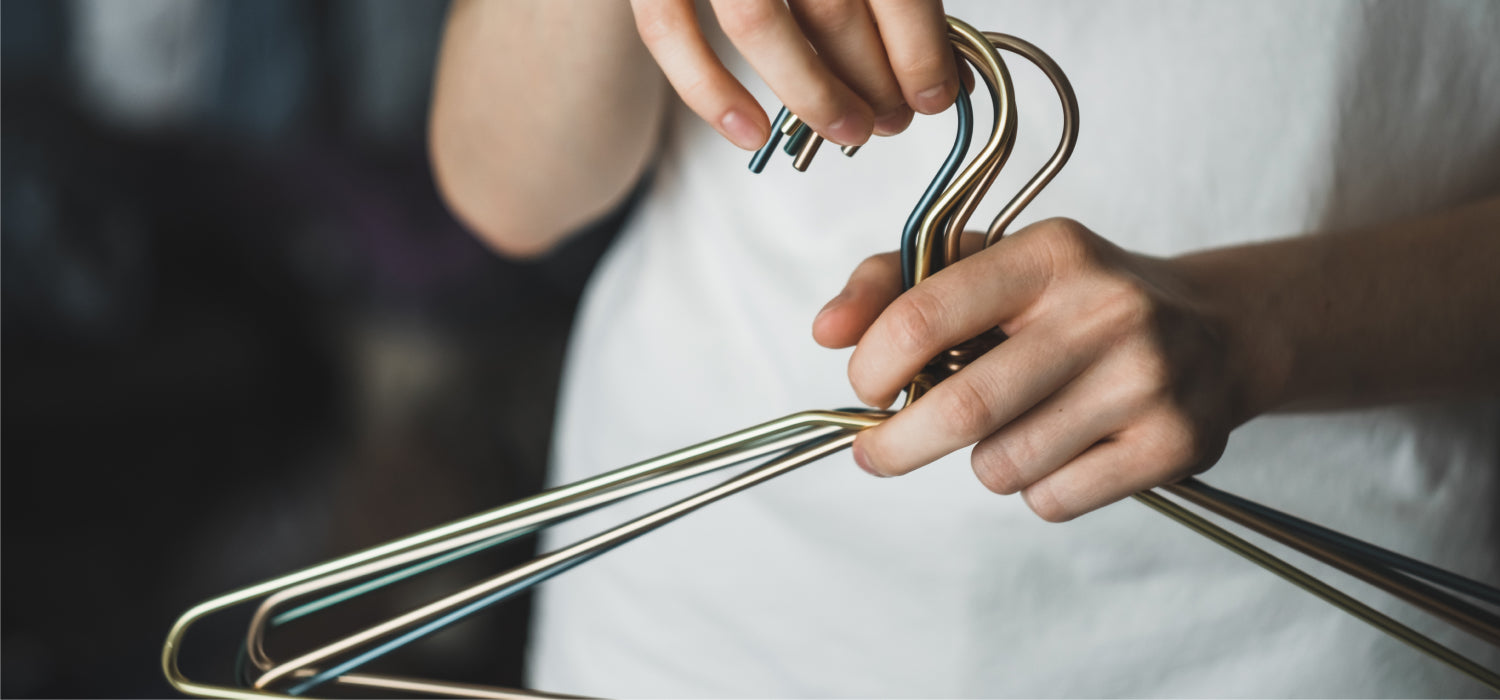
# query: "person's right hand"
(847, 68)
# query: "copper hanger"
(929, 242)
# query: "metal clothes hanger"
(929, 242)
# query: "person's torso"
(1202, 124)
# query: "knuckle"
(875, 457)
(1043, 500)
(925, 66)
(876, 270)
(915, 319)
(865, 391)
(863, 381)
(879, 265)
(995, 465)
(656, 23)
(1068, 242)
(830, 16)
(698, 93)
(964, 408)
(747, 18)
(1068, 229)
(1150, 376)
(1179, 443)
(1126, 303)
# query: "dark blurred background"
(241, 334)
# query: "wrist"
(1248, 293)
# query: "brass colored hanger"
(929, 243)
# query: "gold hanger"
(929, 243)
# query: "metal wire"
(762, 156)
(445, 610)
(1338, 598)
(438, 614)
(766, 439)
(1349, 545)
(965, 110)
(1463, 615)
(559, 510)
(930, 240)
(935, 243)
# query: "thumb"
(875, 283)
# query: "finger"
(915, 33)
(767, 35)
(845, 37)
(991, 392)
(1135, 460)
(875, 283)
(669, 28)
(1089, 409)
(963, 300)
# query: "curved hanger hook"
(786, 444)
(935, 189)
(930, 239)
(1069, 137)
(994, 151)
(932, 235)
(951, 234)
(1059, 158)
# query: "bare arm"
(1401, 311)
(544, 115)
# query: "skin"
(827, 61)
(564, 164)
(1121, 371)
(519, 147)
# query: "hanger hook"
(932, 236)
(930, 239)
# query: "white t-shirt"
(1203, 124)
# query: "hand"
(1117, 375)
(846, 67)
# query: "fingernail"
(741, 130)
(892, 124)
(932, 99)
(863, 460)
(845, 131)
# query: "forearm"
(1401, 311)
(543, 116)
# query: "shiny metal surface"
(523, 521)
(790, 125)
(1311, 584)
(806, 153)
(782, 445)
(1457, 612)
(426, 688)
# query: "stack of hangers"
(930, 241)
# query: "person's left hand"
(1118, 375)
